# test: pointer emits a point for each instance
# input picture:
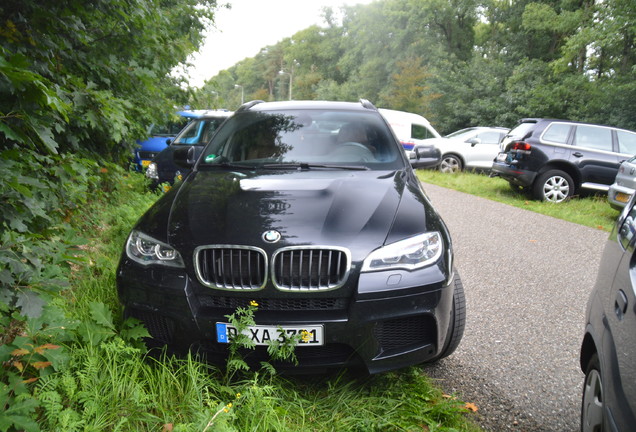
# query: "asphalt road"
(527, 279)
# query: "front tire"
(554, 186)
(457, 320)
(450, 164)
(592, 418)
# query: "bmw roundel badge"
(271, 236)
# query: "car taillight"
(520, 145)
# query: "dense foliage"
(81, 80)
(460, 63)
(90, 76)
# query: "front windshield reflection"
(305, 137)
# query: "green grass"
(109, 382)
(592, 211)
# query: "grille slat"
(310, 268)
(231, 267)
(297, 268)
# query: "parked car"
(411, 129)
(162, 169)
(624, 185)
(608, 349)
(159, 136)
(329, 236)
(556, 159)
(471, 148)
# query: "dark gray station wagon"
(311, 210)
(556, 159)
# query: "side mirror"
(169, 141)
(425, 156)
(186, 157)
(473, 141)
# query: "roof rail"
(365, 103)
(248, 105)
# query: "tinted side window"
(593, 137)
(420, 132)
(626, 142)
(557, 133)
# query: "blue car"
(159, 136)
(196, 134)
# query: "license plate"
(145, 163)
(501, 157)
(311, 335)
(621, 197)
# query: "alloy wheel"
(592, 409)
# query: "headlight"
(152, 172)
(145, 250)
(409, 254)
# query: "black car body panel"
(380, 319)
(610, 334)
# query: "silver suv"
(623, 187)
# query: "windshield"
(199, 131)
(273, 139)
(168, 129)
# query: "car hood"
(353, 209)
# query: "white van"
(411, 129)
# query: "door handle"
(577, 154)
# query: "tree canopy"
(458, 62)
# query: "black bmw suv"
(312, 211)
(556, 159)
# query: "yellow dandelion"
(305, 335)
(253, 303)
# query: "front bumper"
(380, 327)
(618, 196)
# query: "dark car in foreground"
(608, 351)
(556, 159)
(312, 211)
(162, 170)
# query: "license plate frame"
(262, 334)
(622, 197)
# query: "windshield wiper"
(231, 165)
(308, 166)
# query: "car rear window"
(521, 130)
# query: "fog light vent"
(403, 332)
